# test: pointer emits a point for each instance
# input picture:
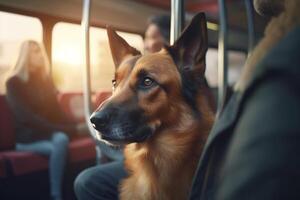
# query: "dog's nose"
(99, 120)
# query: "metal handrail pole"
(222, 55)
(85, 24)
(101, 147)
(177, 19)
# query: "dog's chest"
(143, 184)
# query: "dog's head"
(152, 91)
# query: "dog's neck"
(173, 151)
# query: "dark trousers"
(100, 182)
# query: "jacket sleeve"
(27, 117)
(263, 159)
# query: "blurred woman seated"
(41, 125)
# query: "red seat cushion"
(82, 149)
(25, 162)
(7, 130)
(72, 105)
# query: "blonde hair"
(21, 68)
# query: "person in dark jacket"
(253, 150)
(41, 125)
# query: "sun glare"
(68, 54)
(67, 45)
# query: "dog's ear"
(119, 47)
(189, 50)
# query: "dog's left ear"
(189, 50)
(119, 47)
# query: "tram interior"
(56, 24)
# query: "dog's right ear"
(189, 50)
(119, 47)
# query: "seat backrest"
(72, 105)
(7, 129)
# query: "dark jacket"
(253, 150)
(36, 109)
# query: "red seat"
(82, 148)
(7, 132)
(17, 162)
(72, 105)
(25, 162)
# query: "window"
(236, 61)
(67, 67)
(14, 29)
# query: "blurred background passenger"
(41, 125)
(102, 181)
(157, 33)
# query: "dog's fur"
(278, 27)
(170, 119)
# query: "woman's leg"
(57, 163)
(56, 149)
(43, 147)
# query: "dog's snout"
(99, 120)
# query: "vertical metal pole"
(250, 20)
(101, 148)
(222, 55)
(85, 24)
(177, 19)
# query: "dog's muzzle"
(100, 121)
(117, 125)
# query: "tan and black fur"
(161, 109)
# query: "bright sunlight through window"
(67, 57)
(11, 25)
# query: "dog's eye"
(114, 83)
(146, 82)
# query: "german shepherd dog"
(161, 109)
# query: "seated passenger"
(102, 182)
(157, 33)
(253, 149)
(41, 125)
